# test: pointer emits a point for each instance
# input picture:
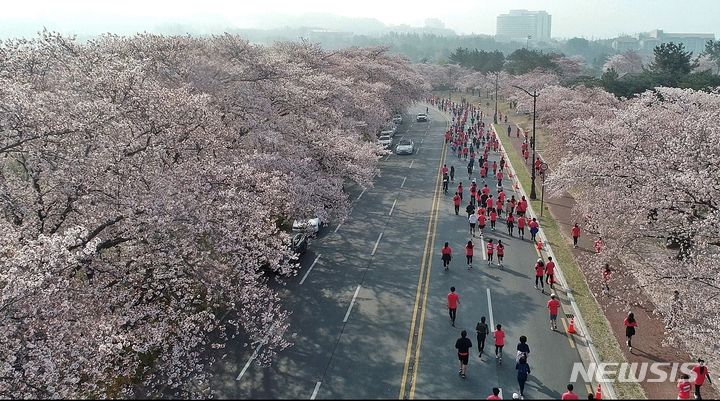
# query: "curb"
(607, 388)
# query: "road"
(368, 304)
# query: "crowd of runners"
(486, 205)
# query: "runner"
(444, 169)
(470, 168)
(701, 374)
(494, 167)
(510, 223)
(495, 394)
(539, 273)
(534, 228)
(523, 349)
(446, 252)
(499, 177)
(521, 226)
(445, 182)
(481, 220)
(630, 325)
(460, 190)
(473, 219)
(463, 345)
(523, 370)
(489, 204)
(607, 272)
(469, 249)
(493, 218)
(499, 205)
(452, 174)
(521, 206)
(598, 245)
(456, 201)
(482, 331)
(470, 209)
(453, 299)
(509, 206)
(553, 306)
(575, 234)
(569, 395)
(473, 191)
(499, 336)
(490, 251)
(550, 272)
(500, 252)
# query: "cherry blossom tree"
(570, 67)
(624, 63)
(145, 182)
(646, 176)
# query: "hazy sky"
(587, 18)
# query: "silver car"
(405, 147)
(421, 117)
(385, 141)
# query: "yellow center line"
(424, 273)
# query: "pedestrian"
(456, 201)
(452, 174)
(526, 155)
(463, 345)
(445, 182)
(472, 219)
(569, 395)
(444, 169)
(481, 220)
(499, 336)
(510, 221)
(493, 218)
(575, 234)
(607, 272)
(630, 325)
(509, 205)
(509, 131)
(553, 306)
(495, 394)
(446, 252)
(470, 169)
(701, 374)
(499, 205)
(684, 386)
(539, 273)
(473, 191)
(522, 206)
(489, 203)
(550, 272)
(453, 299)
(499, 177)
(482, 330)
(469, 209)
(494, 167)
(469, 247)
(598, 245)
(490, 251)
(523, 349)
(500, 252)
(521, 226)
(523, 370)
(460, 190)
(534, 228)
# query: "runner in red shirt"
(446, 253)
(684, 386)
(499, 335)
(569, 395)
(481, 220)
(499, 206)
(701, 373)
(598, 245)
(456, 201)
(539, 273)
(494, 167)
(460, 190)
(493, 219)
(521, 225)
(485, 190)
(489, 203)
(630, 325)
(538, 164)
(469, 253)
(534, 227)
(501, 195)
(499, 177)
(510, 223)
(526, 155)
(453, 299)
(490, 251)
(550, 272)
(495, 395)
(444, 169)
(553, 305)
(500, 252)
(607, 272)
(575, 234)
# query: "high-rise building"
(519, 24)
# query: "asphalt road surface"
(369, 303)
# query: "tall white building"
(519, 24)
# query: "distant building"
(646, 42)
(517, 25)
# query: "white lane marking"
(376, 244)
(412, 162)
(360, 196)
(347, 315)
(422, 140)
(482, 241)
(388, 156)
(317, 388)
(338, 227)
(247, 365)
(492, 319)
(310, 268)
(403, 183)
(392, 208)
(500, 395)
(418, 151)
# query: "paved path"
(353, 314)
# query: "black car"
(299, 244)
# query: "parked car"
(389, 133)
(299, 244)
(421, 117)
(405, 147)
(398, 119)
(311, 226)
(385, 141)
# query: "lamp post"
(543, 169)
(534, 95)
(496, 104)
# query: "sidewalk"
(651, 330)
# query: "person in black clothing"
(470, 209)
(482, 330)
(446, 180)
(452, 174)
(523, 349)
(463, 345)
(523, 370)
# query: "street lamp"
(534, 95)
(496, 104)
(543, 170)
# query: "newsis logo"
(635, 372)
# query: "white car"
(405, 147)
(421, 117)
(311, 226)
(397, 119)
(390, 133)
(385, 140)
